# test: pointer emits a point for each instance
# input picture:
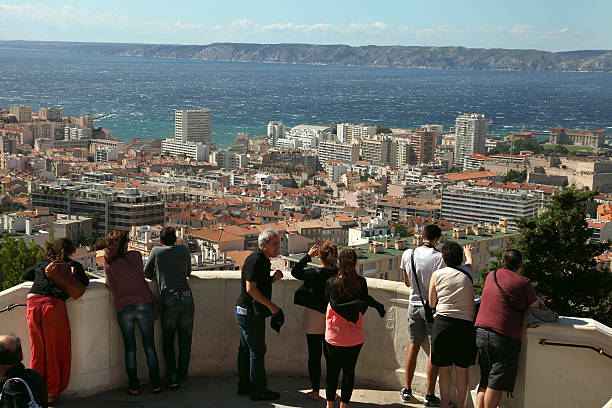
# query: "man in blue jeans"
(170, 265)
(252, 307)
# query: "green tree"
(304, 183)
(401, 229)
(15, 257)
(559, 258)
(514, 176)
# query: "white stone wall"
(548, 375)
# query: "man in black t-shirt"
(14, 392)
(252, 307)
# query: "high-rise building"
(344, 132)
(87, 122)
(192, 125)
(276, 130)
(53, 114)
(23, 113)
(376, 151)
(423, 143)
(437, 129)
(470, 136)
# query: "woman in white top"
(453, 343)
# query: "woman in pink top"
(347, 294)
(134, 304)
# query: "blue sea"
(142, 93)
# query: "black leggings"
(345, 359)
(315, 350)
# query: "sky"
(559, 25)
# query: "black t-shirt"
(43, 286)
(35, 381)
(256, 269)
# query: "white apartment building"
(376, 151)
(196, 151)
(276, 130)
(344, 132)
(345, 152)
(74, 132)
(470, 136)
(471, 205)
(192, 125)
(401, 151)
(229, 160)
(105, 154)
(363, 132)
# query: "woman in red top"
(124, 274)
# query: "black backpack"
(16, 393)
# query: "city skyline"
(548, 26)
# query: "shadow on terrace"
(551, 373)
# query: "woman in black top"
(311, 295)
(48, 319)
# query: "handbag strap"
(27, 388)
(462, 271)
(517, 310)
(416, 278)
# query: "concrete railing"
(548, 375)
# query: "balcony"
(549, 375)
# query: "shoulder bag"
(429, 318)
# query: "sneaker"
(265, 395)
(406, 394)
(431, 401)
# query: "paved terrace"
(549, 375)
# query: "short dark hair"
(452, 253)
(431, 232)
(167, 236)
(10, 350)
(512, 259)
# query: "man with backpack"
(505, 296)
(18, 385)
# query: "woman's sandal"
(133, 392)
(51, 399)
(156, 390)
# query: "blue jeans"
(251, 353)
(177, 317)
(143, 315)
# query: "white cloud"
(38, 21)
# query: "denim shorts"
(418, 328)
(498, 359)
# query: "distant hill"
(371, 55)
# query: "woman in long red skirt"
(48, 319)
